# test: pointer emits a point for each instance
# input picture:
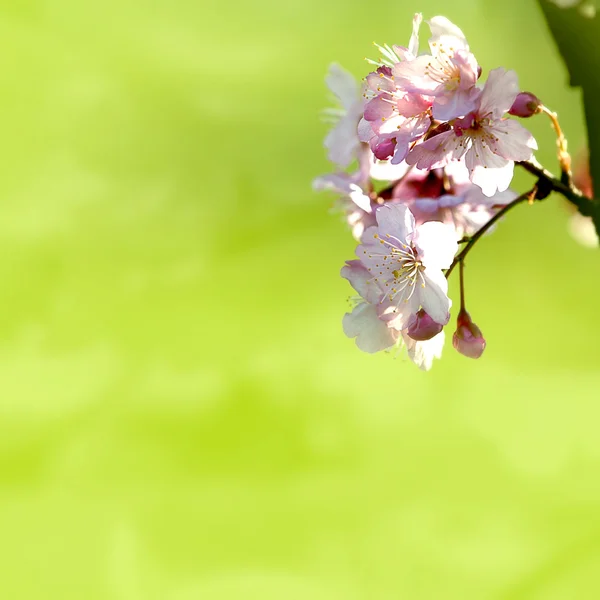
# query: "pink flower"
(376, 331)
(488, 142)
(449, 73)
(406, 262)
(392, 119)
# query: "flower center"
(403, 268)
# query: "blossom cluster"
(425, 155)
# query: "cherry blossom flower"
(406, 262)
(374, 330)
(392, 119)
(449, 73)
(489, 142)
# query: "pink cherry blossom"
(375, 329)
(449, 73)
(406, 262)
(392, 119)
(489, 142)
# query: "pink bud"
(383, 148)
(423, 327)
(467, 338)
(525, 105)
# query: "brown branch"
(547, 183)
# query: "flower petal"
(372, 334)
(395, 220)
(444, 32)
(343, 85)
(434, 296)
(423, 353)
(361, 280)
(499, 92)
(436, 244)
(514, 141)
(434, 152)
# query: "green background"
(181, 416)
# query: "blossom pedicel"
(435, 151)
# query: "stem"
(462, 285)
(548, 183)
(460, 257)
(564, 158)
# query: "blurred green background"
(181, 416)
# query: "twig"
(547, 183)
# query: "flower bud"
(423, 327)
(383, 149)
(525, 105)
(467, 338)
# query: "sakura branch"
(435, 152)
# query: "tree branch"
(549, 183)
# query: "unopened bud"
(423, 327)
(384, 148)
(525, 105)
(467, 338)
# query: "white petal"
(360, 198)
(361, 280)
(372, 334)
(434, 296)
(499, 92)
(446, 33)
(514, 141)
(436, 244)
(395, 220)
(423, 353)
(411, 75)
(386, 171)
(343, 85)
(342, 141)
(413, 44)
(365, 130)
(492, 179)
